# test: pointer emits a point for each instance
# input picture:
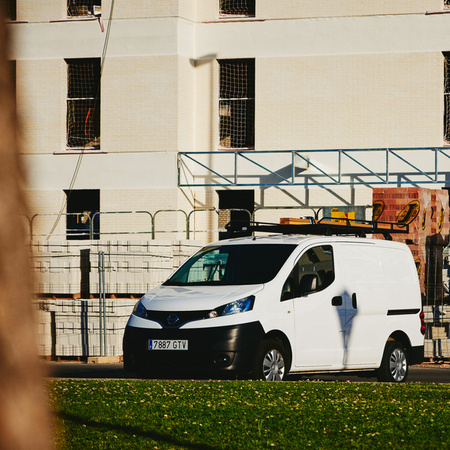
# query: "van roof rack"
(326, 226)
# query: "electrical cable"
(80, 156)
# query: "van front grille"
(175, 319)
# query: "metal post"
(104, 304)
(101, 301)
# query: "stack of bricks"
(426, 210)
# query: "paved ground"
(426, 373)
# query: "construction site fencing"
(148, 227)
(85, 290)
(69, 283)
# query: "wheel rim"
(273, 366)
(398, 364)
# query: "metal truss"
(372, 166)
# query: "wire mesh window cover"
(83, 103)
(447, 98)
(83, 7)
(237, 8)
(237, 103)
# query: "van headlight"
(139, 310)
(238, 306)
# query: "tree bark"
(24, 417)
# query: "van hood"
(192, 298)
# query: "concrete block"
(439, 333)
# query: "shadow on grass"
(134, 431)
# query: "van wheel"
(271, 363)
(394, 365)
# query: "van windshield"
(232, 265)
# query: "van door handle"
(336, 301)
(354, 303)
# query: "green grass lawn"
(248, 414)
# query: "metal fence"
(150, 226)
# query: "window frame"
(294, 278)
(227, 8)
(83, 111)
(233, 98)
(84, 8)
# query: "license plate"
(167, 344)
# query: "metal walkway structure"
(372, 166)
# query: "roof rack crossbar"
(322, 227)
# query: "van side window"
(313, 272)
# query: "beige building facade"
(333, 75)
(147, 123)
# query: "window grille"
(83, 103)
(83, 7)
(237, 8)
(447, 98)
(237, 103)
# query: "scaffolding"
(331, 167)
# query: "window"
(447, 98)
(82, 206)
(313, 272)
(83, 8)
(237, 8)
(8, 8)
(232, 265)
(237, 103)
(236, 205)
(83, 103)
(446, 3)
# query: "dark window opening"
(235, 205)
(237, 8)
(82, 221)
(9, 9)
(237, 103)
(83, 8)
(447, 98)
(83, 103)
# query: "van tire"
(394, 365)
(271, 362)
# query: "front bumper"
(221, 349)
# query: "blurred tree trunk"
(24, 418)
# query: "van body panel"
(166, 298)
(318, 331)
(377, 278)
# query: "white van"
(264, 306)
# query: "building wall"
(332, 74)
(203, 10)
(351, 101)
(41, 100)
(342, 8)
(139, 111)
